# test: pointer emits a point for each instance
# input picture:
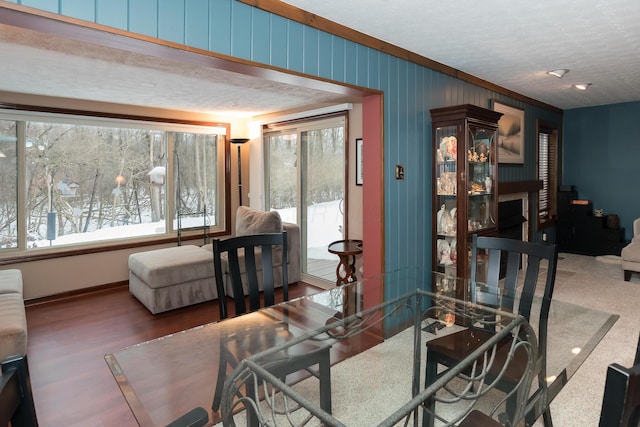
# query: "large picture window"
(89, 181)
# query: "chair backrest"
(499, 248)
(512, 251)
(256, 254)
(621, 400)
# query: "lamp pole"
(239, 142)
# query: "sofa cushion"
(11, 281)
(165, 267)
(250, 221)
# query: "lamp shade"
(559, 73)
(582, 86)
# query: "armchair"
(631, 253)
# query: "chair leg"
(431, 375)
(627, 275)
(512, 406)
(324, 370)
(546, 417)
(222, 376)
(252, 417)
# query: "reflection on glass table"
(377, 357)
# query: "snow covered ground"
(325, 226)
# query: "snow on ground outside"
(325, 217)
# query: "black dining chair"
(501, 293)
(621, 399)
(249, 258)
(16, 399)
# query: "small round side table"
(347, 251)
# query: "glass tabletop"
(378, 352)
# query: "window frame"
(547, 216)
(23, 113)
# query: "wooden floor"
(67, 341)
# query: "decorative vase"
(488, 184)
(439, 218)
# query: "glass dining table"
(378, 356)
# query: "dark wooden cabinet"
(465, 178)
(581, 232)
(565, 217)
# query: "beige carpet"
(598, 285)
(609, 259)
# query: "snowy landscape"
(326, 219)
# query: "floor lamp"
(239, 142)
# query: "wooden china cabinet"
(465, 178)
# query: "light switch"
(399, 172)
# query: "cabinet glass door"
(480, 178)
(446, 198)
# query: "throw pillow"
(250, 221)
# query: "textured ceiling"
(34, 63)
(512, 43)
(508, 43)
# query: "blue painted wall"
(602, 158)
(236, 29)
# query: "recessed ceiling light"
(582, 86)
(559, 73)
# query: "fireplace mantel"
(519, 187)
(520, 190)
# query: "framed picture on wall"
(510, 134)
(359, 161)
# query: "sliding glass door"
(306, 184)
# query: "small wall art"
(510, 134)
(359, 161)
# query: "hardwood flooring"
(67, 341)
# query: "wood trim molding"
(116, 116)
(109, 287)
(307, 18)
(513, 187)
(75, 29)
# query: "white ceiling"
(512, 43)
(508, 43)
